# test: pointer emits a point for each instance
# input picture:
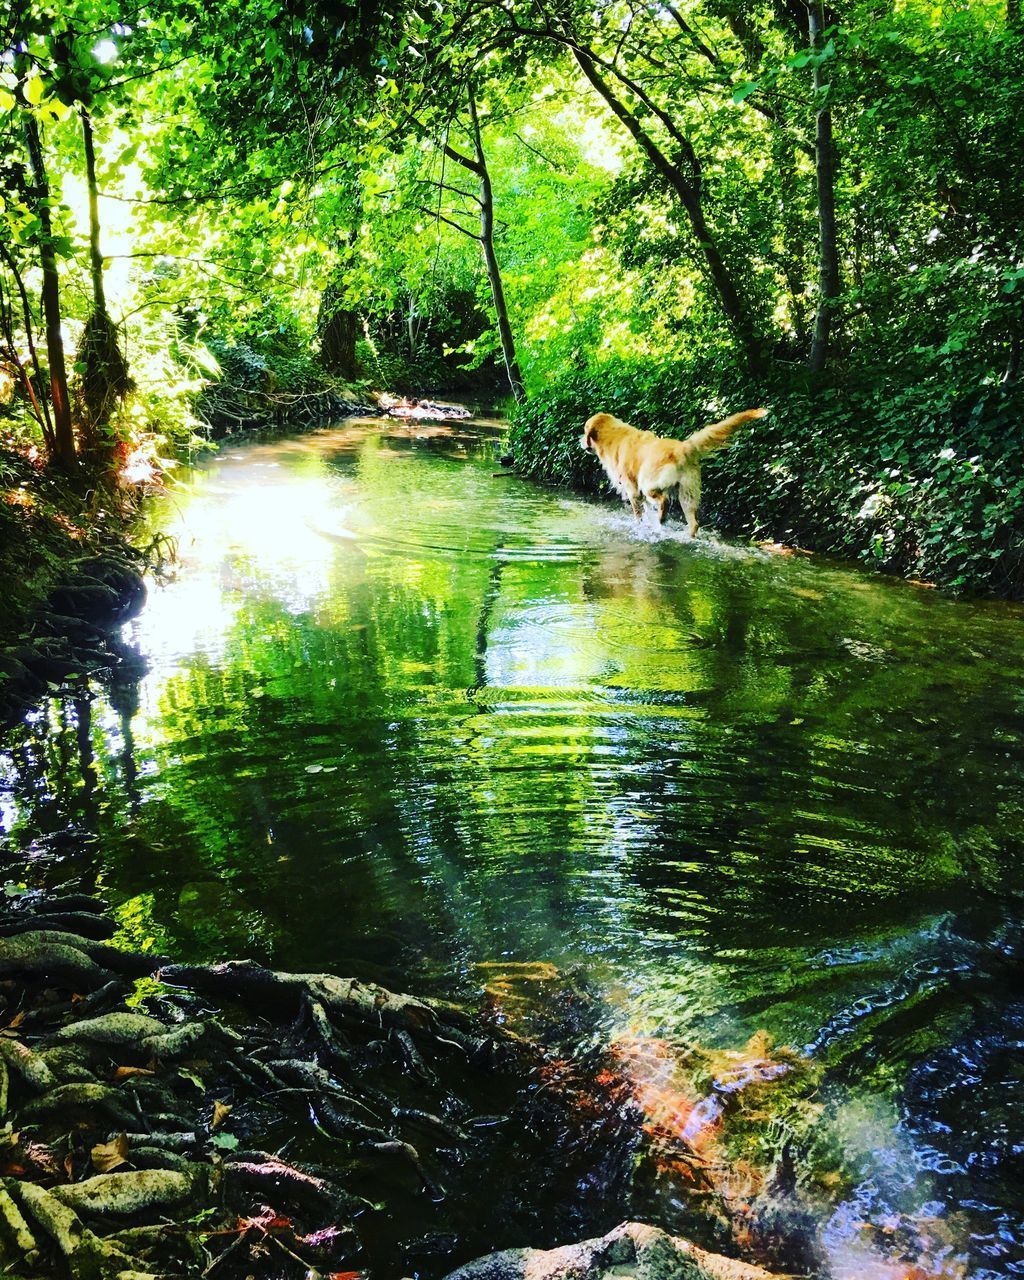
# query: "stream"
(398, 715)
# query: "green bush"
(901, 478)
(277, 359)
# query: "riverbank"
(904, 479)
(71, 576)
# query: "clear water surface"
(397, 715)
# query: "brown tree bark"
(64, 440)
(39, 403)
(105, 379)
(477, 165)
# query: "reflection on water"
(401, 716)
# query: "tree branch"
(436, 213)
(559, 168)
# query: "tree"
(476, 164)
(105, 377)
(60, 400)
(824, 164)
(664, 142)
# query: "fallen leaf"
(318, 1239)
(221, 1111)
(266, 1221)
(42, 1157)
(108, 1155)
(69, 1165)
(123, 1073)
(17, 1020)
(226, 1141)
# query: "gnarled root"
(343, 998)
(125, 1194)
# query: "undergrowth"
(902, 478)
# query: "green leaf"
(744, 90)
(7, 100)
(34, 90)
(224, 1141)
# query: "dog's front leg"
(660, 501)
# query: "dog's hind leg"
(689, 500)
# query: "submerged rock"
(631, 1249)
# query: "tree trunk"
(824, 163)
(338, 327)
(39, 402)
(105, 378)
(688, 194)
(64, 440)
(1013, 12)
(508, 347)
(95, 257)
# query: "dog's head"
(591, 428)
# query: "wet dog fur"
(645, 467)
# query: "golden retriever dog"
(643, 466)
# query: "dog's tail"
(717, 435)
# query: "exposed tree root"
(119, 1116)
(150, 1143)
(345, 998)
(112, 1028)
(30, 1066)
(53, 956)
(124, 1194)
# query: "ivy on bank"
(898, 477)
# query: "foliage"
(657, 200)
(44, 527)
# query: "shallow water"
(398, 716)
